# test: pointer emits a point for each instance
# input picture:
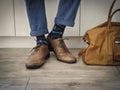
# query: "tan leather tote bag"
(103, 42)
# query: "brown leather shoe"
(37, 57)
(61, 51)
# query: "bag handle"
(110, 18)
(110, 11)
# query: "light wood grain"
(54, 75)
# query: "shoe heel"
(50, 47)
(47, 56)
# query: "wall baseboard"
(29, 42)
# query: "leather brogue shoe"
(61, 51)
(38, 57)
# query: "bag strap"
(110, 11)
(81, 51)
(110, 18)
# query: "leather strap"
(111, 8)
(110, 18)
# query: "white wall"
(14, 21)
(14, 24)
(95, 12)
(6, 18)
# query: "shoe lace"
(62, 44)
(36, 48)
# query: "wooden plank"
(73, 84)
(118, 68)
(13, 83)
(54, 75)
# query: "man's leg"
(37, 17)
(67, 11)
(66, 14)
(38, 24)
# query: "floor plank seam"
(27, 83)
(118, 69)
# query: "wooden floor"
(54, 75)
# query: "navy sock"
(41, 40)
(57, 31)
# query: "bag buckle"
(117, 42)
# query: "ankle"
(41, 40)
(57, 32)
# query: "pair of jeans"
(66, 14)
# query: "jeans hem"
(62, 21)
(38, 33)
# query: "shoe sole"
(73, 62)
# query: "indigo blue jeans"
(66, 14)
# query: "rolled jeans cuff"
(62, 21)
(38, 31)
